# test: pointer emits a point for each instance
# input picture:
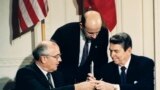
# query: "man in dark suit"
(136, 73)
(72, 37)
(42, 74)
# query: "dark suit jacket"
(31, 78)
(68, 38)
(139, 74)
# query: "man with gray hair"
(42, 74)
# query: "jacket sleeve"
(68, 87)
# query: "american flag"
(30, 12)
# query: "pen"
(101, 79)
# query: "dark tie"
(49, 80)
(85, 53)
(123, 75)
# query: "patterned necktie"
(123, 75)
(85, 53)
(49, 80)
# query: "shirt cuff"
(116, 86)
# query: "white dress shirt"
(82, 42)
(45, 73)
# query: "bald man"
(46, 60)
(71, 39)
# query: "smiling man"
(127, 71)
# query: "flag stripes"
(31, 12)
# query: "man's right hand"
(87, 85)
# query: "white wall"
(157, 42)
(139, 18)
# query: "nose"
(93, 36)
(112, 53)
(59, 59)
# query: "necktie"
(49, 80)
(85, 53)
(123, 75)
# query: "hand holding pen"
(100, 84)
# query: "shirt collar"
(126, 64)
(43, 71)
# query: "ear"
(81, 26)
(43, 59)
(129, 50)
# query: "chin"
(115, 62)
(55, 69)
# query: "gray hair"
(42, 49)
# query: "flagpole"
(43, 30)
(82, 7)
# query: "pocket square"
(135, 82)
(96, 46)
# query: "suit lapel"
(131, 72)
(112, 73)
(76, 45)
(40, 76)
(116, 70)
(58, 79)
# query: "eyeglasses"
(56, 56)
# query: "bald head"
(92, 24)
(93, 20)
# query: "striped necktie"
(49, 80)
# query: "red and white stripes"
(31, 12)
